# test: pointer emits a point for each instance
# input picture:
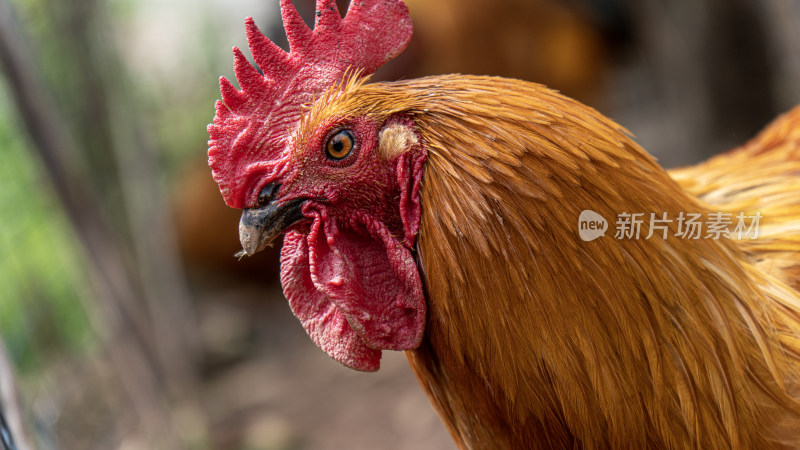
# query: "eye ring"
(340, 145)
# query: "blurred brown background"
(125, 317)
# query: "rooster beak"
(258, 227)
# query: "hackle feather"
(537, 339)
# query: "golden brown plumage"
(440, 216)
(536, 339)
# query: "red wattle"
(355, 288)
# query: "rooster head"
(343, 187)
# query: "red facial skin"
(253, 126)
(348, 271)
(348, 268)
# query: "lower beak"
(258, 227)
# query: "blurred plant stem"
(106, 176)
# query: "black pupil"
(340, 145)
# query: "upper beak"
(260, 226)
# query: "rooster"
(440, 216)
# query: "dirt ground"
(288, 394)
(264, 386)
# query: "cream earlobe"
(396, 139)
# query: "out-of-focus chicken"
(443, 216)
(556, 43)
(207, 231)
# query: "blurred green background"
(41, 279)
(127, 320)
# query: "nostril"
(267, 194)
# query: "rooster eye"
(339, 145)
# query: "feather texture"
(537, 339)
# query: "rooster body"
(622, 343)
(440, 216)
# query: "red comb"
(253, 127)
